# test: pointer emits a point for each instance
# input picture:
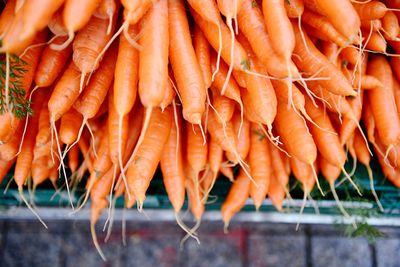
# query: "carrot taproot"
(364, 157)
(210, 30)
(25, 157)
(324, 26)
(172, 167)
(370, 10)
(202, 50)
(106, 10)
(215, 156)
(76, 15)
(381, 102)
(390, 26)
(190, 82)
(196, 152)
(350, 54)
(251, 24)
(51, 64)
(223, 106)
(65, 92)
(69, 127)
(260, 166)
(145, 161)
(294, 8)
(56, 25)
(88, 44)
(236, 199)
(374, 41)
(5, 166)
(343, 16)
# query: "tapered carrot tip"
(130, 202)
(194, 118)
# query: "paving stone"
(216, 249)
(31, 249)
(151, 248)
(277, 250)
(388, 252)
(275, 228)
(340, 251)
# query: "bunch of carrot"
(198, 87)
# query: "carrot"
(117, 131)
(202, 50)
(303, 173)
(279, 28)
(56, 25)
(215, 156)
(251, 24)
(374, 41)
(313, 62)
(371, 25)
(279, 178)
(327, 140)
(145, 161)
(172, 168)
(89, 102)
(324, 26)
(223, 106)
(75, 16)
(210, 30)
(169, 96)
(106, 10)
(184, 63)
(51, 64)
(88, 44)
(260, 166)
(134, 13)
(25, 157)
(249, 112)
(342, 15)
(196, 152)
(396, 91)
(221, 73)
(370, 10)
(227, 172)
(69, 127)
(5, 166)
(195, 204)
(236, 199)
(382, 103)
(294, 8)
(364, 157)
(37, 14)
(65, 92)
(350, 54)
(73, 159)
(390, 25)
(294, 135)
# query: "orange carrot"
(172, 168)
(145, 161)
(51, 64)
(294, 8)
(382, 103)
(73, 158)
(184, 63)
(202, 50)
(69, 127)
(260, 166)
(370, 10)
(242, 131)
(236, 199)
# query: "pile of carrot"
(275, 87)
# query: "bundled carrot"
(271, 87)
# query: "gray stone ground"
(68, 243)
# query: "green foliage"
(17, 102)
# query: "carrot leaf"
(20, 106)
